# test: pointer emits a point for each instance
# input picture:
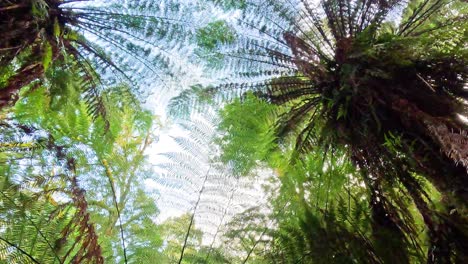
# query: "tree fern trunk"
(27, 74)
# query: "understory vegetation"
(293, 131)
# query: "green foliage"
(112, 164)
(352, 106)
(214, 34)
(47, 57)
(174, 232)
(28, 227)
(231, 4)
(360, 81)
(106, 43)
(246, 132)
(196, 99)
(44, 212)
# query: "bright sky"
(174, 202)
(240, 195)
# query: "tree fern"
(106, 43)
(324, 192)
(359, 75)
(110, 165)
(44, 229)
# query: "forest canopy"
(221, 131)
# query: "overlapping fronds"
(109, 164)
(195, 178)
(104, 42)
(45, 217)
(385, 80)
(341, 51)
(321, 214)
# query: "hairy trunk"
(19, 30)
(389, 238)
(439, 248)
(442, 152)
(26, 75)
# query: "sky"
(230, 194)
(239, 194)
(222, 194)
